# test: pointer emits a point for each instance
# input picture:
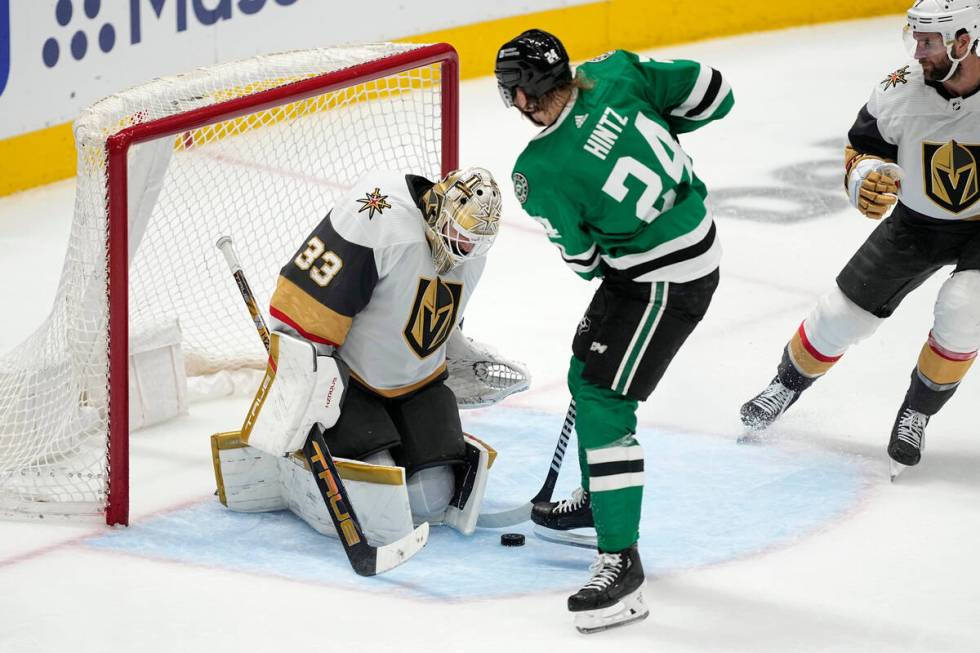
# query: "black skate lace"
(911, 427)
(579, 497)
(774, 398)
(604, 568)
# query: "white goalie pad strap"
(299, 388)
(464, 509)
(250, 480)
(478, 375)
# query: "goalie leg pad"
(299, 388)
(429, 492)
(471, 484)
(250, 480)
(431, 433)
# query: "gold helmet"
(462, 215)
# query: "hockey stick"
(228, 249)
(365, 559)
(523, 512)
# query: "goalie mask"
(932, 27)
(462, 215)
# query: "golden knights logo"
(433, 315)
(374, 202)
(900, 76)
(950, 171)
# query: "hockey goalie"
(366, 343)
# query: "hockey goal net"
(257, 149)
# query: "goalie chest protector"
(364, 280)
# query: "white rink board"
(66, 54)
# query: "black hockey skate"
(614, 596)
(765, 408)
(908, 439)
(565, 514)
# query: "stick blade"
(511, 517)
(580, 537)
(391, 555)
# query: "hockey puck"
(512, 539)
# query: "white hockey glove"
(300, 387)
(478, 375)
(873, 186)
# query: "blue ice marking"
(707, 500)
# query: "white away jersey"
(364, 281)
(935, 138)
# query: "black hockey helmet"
(535, 61)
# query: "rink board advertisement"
(58, 56)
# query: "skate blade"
(750, 435)
(630, 609)
(579, 537)
(895, 469)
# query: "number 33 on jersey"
(364, 280)
(609, 180)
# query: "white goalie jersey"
(364, 281)
(934, 137)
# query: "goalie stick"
(365, 559)
(523, 512)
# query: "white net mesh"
(265, 178)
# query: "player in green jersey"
(618, 196)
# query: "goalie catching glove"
(300, 387)
(478, 375)
(872, 184)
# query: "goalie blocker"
(257, 469)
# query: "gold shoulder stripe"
(308, 315)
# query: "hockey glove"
(873, 186)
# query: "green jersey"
(609, 181)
